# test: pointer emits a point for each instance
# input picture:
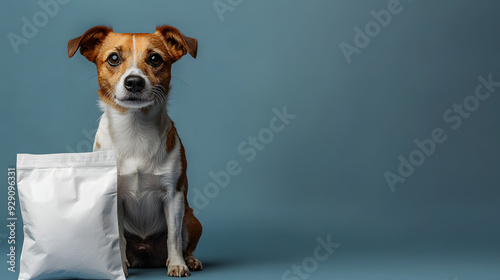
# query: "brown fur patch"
(171, 137)
(183, 178)
(194, 230)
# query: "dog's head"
(133, 70)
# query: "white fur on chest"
(148, 175)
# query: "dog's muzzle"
(134, 83)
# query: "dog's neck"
(138, 132)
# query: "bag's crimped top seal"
(100, 158)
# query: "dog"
(157, 226)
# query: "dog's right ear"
(88, 42)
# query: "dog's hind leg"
(192, 232)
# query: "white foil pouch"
(69, 209)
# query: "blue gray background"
(323, 175)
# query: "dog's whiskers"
(158, 91)
(108, 93)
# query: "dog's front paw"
(177, 269)
(193, 263)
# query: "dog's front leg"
(123, 241)
(174, 212)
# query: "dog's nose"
(134, 83)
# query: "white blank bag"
(69, 209)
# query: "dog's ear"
(88, 42)
(177, 43)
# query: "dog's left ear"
(177, 43)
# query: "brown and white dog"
(157, 226)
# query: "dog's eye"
(155, 60)
(114, 59)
